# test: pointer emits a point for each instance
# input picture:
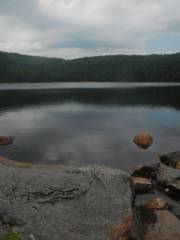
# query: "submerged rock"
(143, 140)
(72, 203)
(6, 140)
(171, 159)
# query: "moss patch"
(11, 236)
(24, 165)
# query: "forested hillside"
(120, 68)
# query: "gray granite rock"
(78, 204)
(169, 179)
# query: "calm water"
(77, 124)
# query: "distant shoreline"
(83, 85)
(117, 68)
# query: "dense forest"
(119, 68)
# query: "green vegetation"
(120, 68)
(23, 165)
(11, 236)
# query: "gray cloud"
(76, 28)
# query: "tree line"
(119, 68)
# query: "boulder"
(157, 203)
(169, 179)
(165, 227)
(174, 206)
(71, 203)
(6, 140)
(143, 140)
(141, 185)
(146, 171)
(171, 159)
(178, 165)
(150, 224)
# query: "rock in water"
(171, 159)
(157, 203)
(141, 185)
(87, 203)
(143, 140)
(145, 171)
(169, 179)
(6, 140)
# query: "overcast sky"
(78, 28)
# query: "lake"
(87, 123)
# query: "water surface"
(83, 124)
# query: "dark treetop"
(120, 68)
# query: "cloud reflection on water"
(77, 134)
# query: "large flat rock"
(77, 204)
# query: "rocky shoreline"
(157, 199)
(93, 203)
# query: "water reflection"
(85, 126)
(151, 96)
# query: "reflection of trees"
(150, 96)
